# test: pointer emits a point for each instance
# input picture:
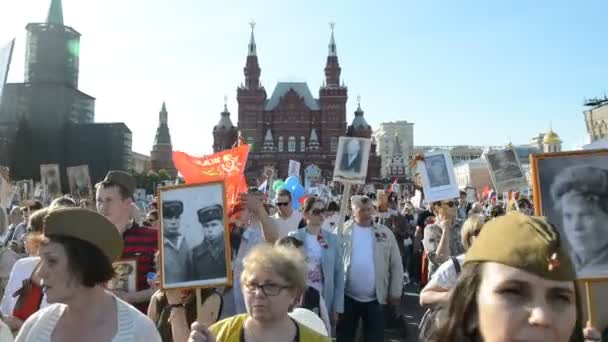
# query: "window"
(334, 144)
(280, 144)
(250, 142)
(291, 144)
(302, 144)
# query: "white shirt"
(5, 333)
(286, 226)
(22, 270)
(133, 326)
(314, 258)
(446, 275)
(361, 279)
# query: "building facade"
(140, 163)
(47, 119)
(596, 118)
(291, 124)
(459, 153)
(385, 138)
(161, 156)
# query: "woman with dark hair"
(77, 252)
(323, 254)
(517, 284)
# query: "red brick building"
(292, 124)
(162, 151)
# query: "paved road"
(412, 311)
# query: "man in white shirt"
(286, 219)
(373, 273)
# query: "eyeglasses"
(269, 290)
(282, 204)
(317, 211)
(450, 204)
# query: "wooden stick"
(590, 304)
(343, 205)
(199, 304)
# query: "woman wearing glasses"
(272, 281)
(325, 271)
(442, 239)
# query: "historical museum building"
(47, 119)
(292, 124)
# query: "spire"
(359, 121)
(332, 42)
(313, 142)
(55, 15)
(163, 115)
(268, 142)
(225, 122)
(252, 47)
(162, 132)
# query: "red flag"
(228, 165)
(486, 191)
(391, 189)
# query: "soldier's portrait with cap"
(177, 261)
(209, 255)
(580, 194)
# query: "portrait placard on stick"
(437, 176)
(294, 169)
(50, 177)
(569, 186)
(80, 181)
(351, 160)
(195, 239)
(25, 190)
(505, 170)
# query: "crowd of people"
(487, 271)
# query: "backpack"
(430, 320)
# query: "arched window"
(280, 144)
(334, 144)
(291, 144)
(302, 144)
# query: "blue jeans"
(372, 315)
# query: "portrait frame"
(196, 191)
(341, 172)
(25, 190)
(506, 184)
(131, 277)
(545, 167)
(50, 174)
(447, 187)
(79, 180)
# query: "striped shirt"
(141, 244)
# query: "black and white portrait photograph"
(506, 171)
(25, 190)
(80, 181)
(437, 175)
(125, 276)
(571, 190)
(51, 180)
(294, 169)
(195, 240)
(351, 160)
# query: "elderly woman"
(581, 194)
(436, 291)
(323, 257)
(273, 279)
(517, 284)
(76, 261)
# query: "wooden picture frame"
(509, 176)
(197, 201)
(79, 180)
(124, 281)
(352, 170)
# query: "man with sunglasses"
(286, 219)
(442, 239)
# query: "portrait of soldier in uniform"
(177, 262)
(437, 171)
(209, 256)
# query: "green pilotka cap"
(529, 243)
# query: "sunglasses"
(317, 211)
(282, 204)
(450, 204)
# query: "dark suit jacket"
(355, 166)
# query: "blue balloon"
(290, 182)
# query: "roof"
(55, 15)
(225, 121)
(359, 121)
(162, 135)
(301, 88)
(551, 138)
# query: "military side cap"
(123, 179)
(525, 242)
(173, 208)
(85, 225)
(210, 213)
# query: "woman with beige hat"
(76, 261)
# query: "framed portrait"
(195, 238)
(125, 278)
(437, 176)
(50, 177)
(351, 160)
(571, 190)
(80, 181)
(294, 169)
(25, 190)
(505, 170)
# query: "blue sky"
(465, 72)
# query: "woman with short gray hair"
(580, 193)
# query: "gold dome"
(551, 138)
